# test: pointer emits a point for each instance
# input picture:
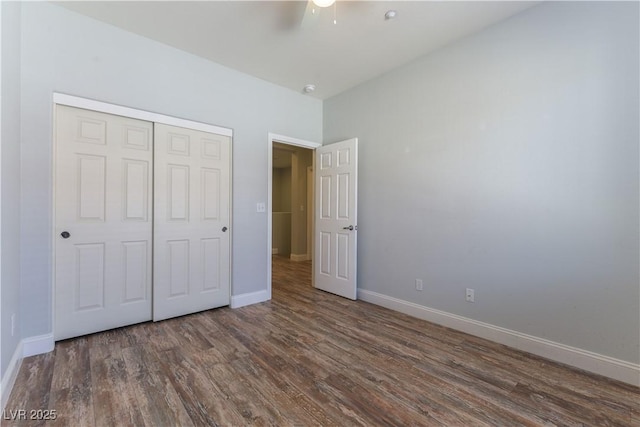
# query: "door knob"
(350, 228)
(224, 229)
(65, 234)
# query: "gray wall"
(508, 163)
(281, 189)
(281, 208)
(301, 160)
(10, 180)
(69, 53)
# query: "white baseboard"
(27, 347)
(274, 251)
(299, 257)
(10, 375)
(241, 300)
(604, 365)
(37, 345)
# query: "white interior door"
(336, 190)
(191, 221)
(103, 221)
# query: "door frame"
(282, 139)
(310, 209)
(134, 113)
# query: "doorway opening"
(290, 210)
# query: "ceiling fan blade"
(311, 14)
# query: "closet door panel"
(103, 225)
(191, 221)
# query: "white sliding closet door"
(191, 221)
(103, 221)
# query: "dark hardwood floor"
(308, 358)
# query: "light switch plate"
(260, 207)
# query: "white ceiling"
(265, 38)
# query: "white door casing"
(336, 202)
(310, 212)
(103, 200)
(191, 221)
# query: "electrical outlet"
(418, 284)
(260, 207)
(13, 324)
(470, 295)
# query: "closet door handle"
(224, 229)
(65, 234)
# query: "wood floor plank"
(33, 389)
(309, 358)
(71, 393)
(248, 403)
(72, 364)
(280, 406)
(205, 403)
(114, 399)
(158, 402)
